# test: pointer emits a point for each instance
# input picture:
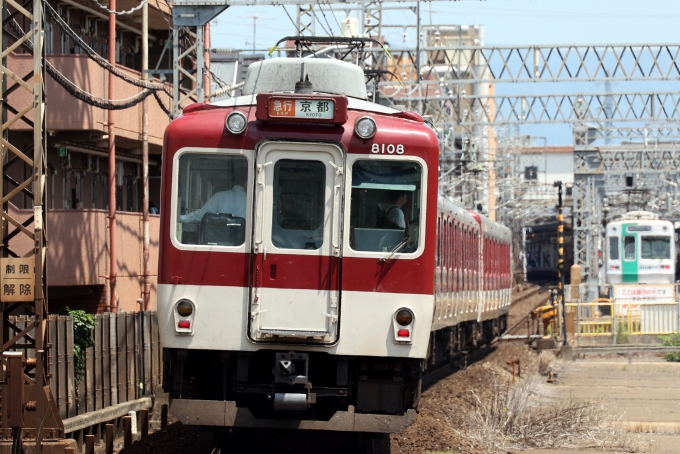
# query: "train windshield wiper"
(396, 248)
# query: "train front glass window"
(299, 204)
(613, 248)
(629, 248)
(211, 199)
(655, 247)
(385, 206)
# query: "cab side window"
(385, 206)
(211, 199)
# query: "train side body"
(311, 303)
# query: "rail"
(621, 314)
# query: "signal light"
(186, 324)
(403, 333)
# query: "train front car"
(640, 250)
(297, 254)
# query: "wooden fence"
(124, 364)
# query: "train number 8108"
(387, 148)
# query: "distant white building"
(546, 165)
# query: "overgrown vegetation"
(520, 417)
(672, 340)
(83, 337)
(622, 335)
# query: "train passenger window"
(629, 248)
(655, 247)
(613, 248)
(211, 199)
(299, 203)
(385, 206)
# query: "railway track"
(460, 362)
(515, 328)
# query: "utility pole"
(146, 286)
(255, 18)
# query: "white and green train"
(640, 250)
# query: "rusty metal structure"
(27, 407)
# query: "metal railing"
(622, 313)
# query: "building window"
(531, 173)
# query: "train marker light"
(236, 122)
(402, 323)
(365, 127)
(184, 312)
(185, 308)
(404, 317)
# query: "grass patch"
(672, 340)
(518, 417)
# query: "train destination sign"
(301, 108)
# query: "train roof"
(653, 226)
(490, 228)
(454, 209)
(327, 75)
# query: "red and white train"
(310, 273)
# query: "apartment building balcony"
(78, 257)
(77, 196)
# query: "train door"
(296, 242)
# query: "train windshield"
(613, 248)
(655, 247)
(299, 202)
(385, 206)
(212, 198)
(629, 248)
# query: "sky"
(506, 23)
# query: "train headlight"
(365, 127)
(404, 317)
(236, 122)
(185, 310)
(402, 323)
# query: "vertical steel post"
(176, 62)
(113, 266)
(146, 289)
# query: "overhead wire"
(299, 30)
(121, 13)
(101, 61)
(77, 92)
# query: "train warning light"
(403, 333)
(185, 324)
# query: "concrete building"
(77, 156)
